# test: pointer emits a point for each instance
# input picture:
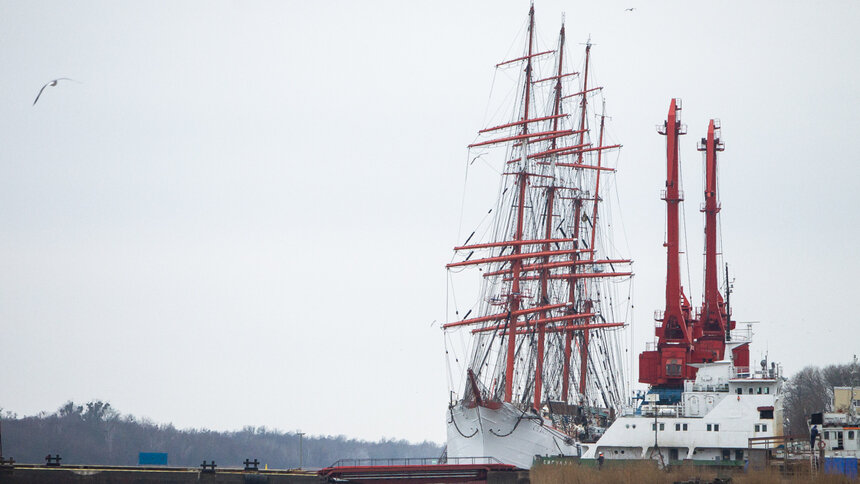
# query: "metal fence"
(416, 461)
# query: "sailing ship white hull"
(505, 433)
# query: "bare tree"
(847, 375)
(807, 392)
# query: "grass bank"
(646, 473)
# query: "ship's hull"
(719, 432)
(633, 438)
(502, 431)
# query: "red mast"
(568, 337)
(544, 291)
(550, 200)
(583, 347)
(584, 101)
(583, 366)
(667, 366)
(522, 180)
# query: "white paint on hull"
(507, 434)
(715, 419)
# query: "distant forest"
(96, 433)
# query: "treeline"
(811, 391)
(96, 433)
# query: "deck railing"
(416, 461)
(648, 410)
(759, 374)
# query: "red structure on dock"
(682, 337)
(463, 469)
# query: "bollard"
(53, 461)
(252, 466)
(208, 468)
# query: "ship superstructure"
(838, 432)
(704, 401)
(544, 366)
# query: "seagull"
(52, 84)
(630, 9)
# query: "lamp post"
(301, 452)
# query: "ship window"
(673, 370)
(766, 390)
(662, 426)
(751, 390)
(759, 390)
(764, 427)
(765, 414)
(740, 391)
(757, 427)
(826, 435)
(678, 428)
(851, 435)
(654, 427)
(739, 455)
(710, 427)
(685, 426)
(716, 427)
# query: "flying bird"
(52, 84)
(630, 9)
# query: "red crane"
(666, 366)
(714, 325)
(680, 338)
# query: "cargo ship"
(705, 402)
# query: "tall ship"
(705, 401)
(537, 361)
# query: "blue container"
(152, 459)
(847, 466)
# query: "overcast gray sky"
(242, 212)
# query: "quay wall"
(34, 474)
